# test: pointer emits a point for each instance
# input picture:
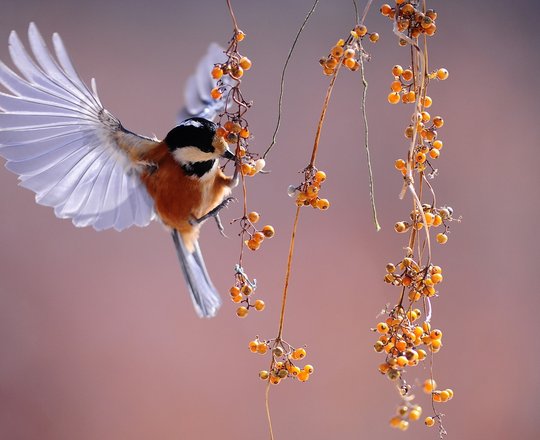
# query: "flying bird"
(79, 159)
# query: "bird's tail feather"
(205, 297)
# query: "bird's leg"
(213, 213)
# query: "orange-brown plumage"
(178, 197)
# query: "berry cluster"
(404, 414)
(307, 193)
(409, 18)
(404, 340)
(282, 365)
(434, 217)
(242, 293)
(234, 67)
(420, 281)
(347, 52)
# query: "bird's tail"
(204, 295)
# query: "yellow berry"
(437, 144)
(374, 37)
(308, 368)
(245, 63)
(349, 53)
(442, 74)
(429, 421)
(323, 204)
(237, 72)
(320, 176)
(442, 238)
(242, 312)
(263, 374)
(253, 345)
(414, 414)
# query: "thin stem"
(323, 115)
(366, 136)
(267, 401)
(288, 273)
(282, 82)
(366, 10)
(235, 24)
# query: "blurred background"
(98, 337)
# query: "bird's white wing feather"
(198, 102)
(56, 135)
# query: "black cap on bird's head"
(195, 140)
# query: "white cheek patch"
(192, 154)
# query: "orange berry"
(435, 334)
(299, 353)
(349, 53)
(438, 121)
(393, 98)
(429, 386)
(253, 217)
(407, 74)
(275, 380)
(217, 72)
(382, 327)
(262, 348)
(237, 72)
(374, 37)
(242, 312)
(396, 86)
(253, 346)
(411, 97)
(239, 36)
(268, 231)
(429, 421)
(350, 63)
(308, 368)
(235, 291)
(245, 63)
(215, 93)
(263, 374)
(258, 237)
(236, 298)
(402, 361)
(246, 290)
(434, 153)
(246, 169)
(400, 164)
(436, 278)
(441, 238)
(401, 345)
(360, 30)
(253, 244)
(427, 101)
(420, 157)
(323, 204)
(444, 396)
(397, 70)
(320, 176)
(303, 376)
(442, 74)
(385, 9)
(415, 414)
(437, 144)
(337, 52)
(244, 133)
(425, 116)
(259, 305)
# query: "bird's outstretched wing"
(56, 135)
(198, 102)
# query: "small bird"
(79, 159)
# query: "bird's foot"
(213, 213)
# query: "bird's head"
(194, 141)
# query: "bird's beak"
(228, 154)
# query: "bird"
(79, 159)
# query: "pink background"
(98, 339)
